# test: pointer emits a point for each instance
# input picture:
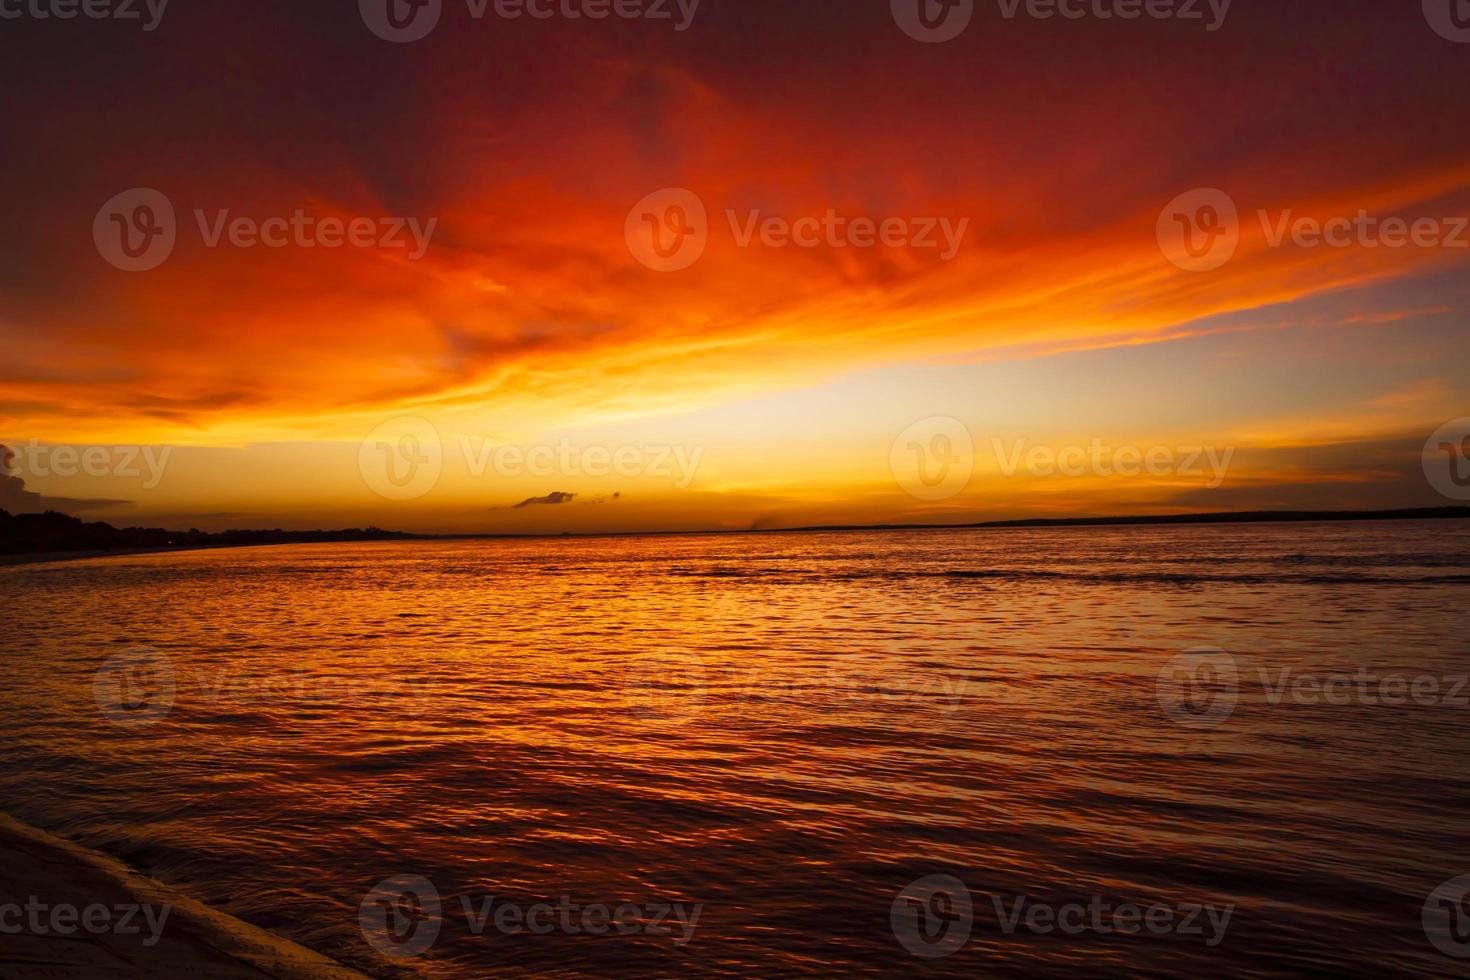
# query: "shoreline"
(46, 557)
(1233, 518)
(188, 938)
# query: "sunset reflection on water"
(785, 731)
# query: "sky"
(753, 264)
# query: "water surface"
(784, 730)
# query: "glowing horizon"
(792, 370)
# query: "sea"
(1232, 750)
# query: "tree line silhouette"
(53, 531)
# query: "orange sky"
(786, 372)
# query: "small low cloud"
(555, 497)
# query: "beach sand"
(193, 941)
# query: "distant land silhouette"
(1236, 517)
(65, 536)
(54, 532)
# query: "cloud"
(555, 497)
(486, 336)
(257, 342)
